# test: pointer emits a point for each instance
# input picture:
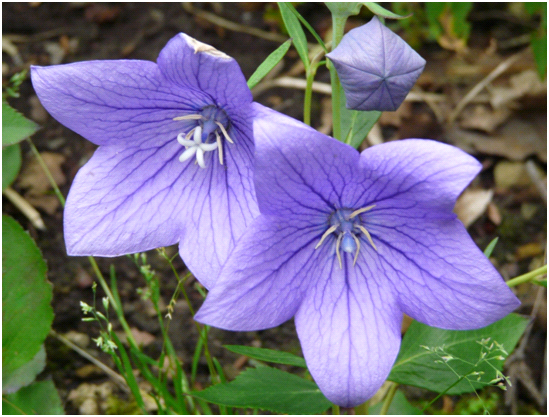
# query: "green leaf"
(25, 374)
(11, 164)
(295, 30)
(26, 296)
(399, 406)
(380, 11)
(490, 248)
(269, 389)
(269, 63)
(15, 127)
(458, 352)
(39, 398)
(268, 355)
(355, 124)
(460, 11)
(539, 49)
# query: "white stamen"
(325, 235)
(368, 236)
(360, 211)
(227, 137)
(338, 244)
(189, 117)
(357, 247)
(219, 147)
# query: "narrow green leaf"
(381, 11)
(26, 296)
(11, 164)
(307, 26)
(15, 127)
(539, 49)
(295, 30)
(458, 352)
(269, 389)
(39, 398)
(268, 355)
(269, 63)
(490, 248)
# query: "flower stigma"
(346, 223)
(211, 126)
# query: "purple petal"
(190, 64)
(110, 102)
(127, 199)
(413, 172)
(264, 280)
(299, 171)
(441, 276)
(376, 67)
(349, 328)
(219, 204)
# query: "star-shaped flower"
(346, 243)
(148, 184)
(376, 67)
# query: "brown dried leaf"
(529, 250)
(472, 204)
(515, 140)
(508, 174)
(526, 83)
(33, 177)
(483, 118)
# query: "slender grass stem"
(388, 399)
(338, 26)
(529, 276)
(47, 172)
(363, 409)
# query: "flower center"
(211, 126)
(347, 225)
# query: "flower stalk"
(529, 276)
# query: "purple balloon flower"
(175, 160)
(346, 243)
(377, 68)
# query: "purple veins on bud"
(376, 67)
(155, 179)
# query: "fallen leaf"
(515, 140)
(472, 204)
(494, 214)
(36, 183)
(509, 174)
(483, 118)
(529, 250)
(34, 179)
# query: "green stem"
(388, 399)
(338, 26)
(363, 409)
(529, 276)
(47, 172)
(335, 409)
(311, 72)
(114, 302)
(201, 330)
